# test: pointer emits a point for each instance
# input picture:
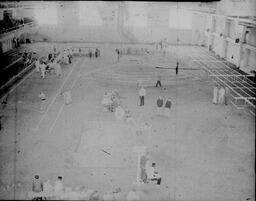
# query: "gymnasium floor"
(203, 151)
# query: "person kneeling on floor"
(152, 174)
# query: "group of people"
(96, 53)
(220, 95)
(162, 44)
(87, 52)
(16, 42)
(27, 58)
(164, 107)
(111, 100)
(53, 61)
(41, 190)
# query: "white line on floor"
(57, 117)
(54, 99)
(60, 111)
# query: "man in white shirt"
(221, 95)
(142, 94)
(215, 95)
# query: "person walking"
(142, 94)
(159, 78)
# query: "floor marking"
(54, 99)
(79, 76)
(57, 117)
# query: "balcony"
(21, 27)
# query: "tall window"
(137, 15)
(89, 14)
(46, 15)
(180, 18)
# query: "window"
(180, 19)
(89, 14)
(137, 15)
(46, 15)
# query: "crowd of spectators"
(8, 24)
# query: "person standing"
(167, 107)
(42, 68)
(227, 91)
(246, 37)
(96, 53)
(177, 68)
(58, 187)
(221, 95)
(215, 94)
(37, 64)
(142, 94)
(159, 103)
(90, 54)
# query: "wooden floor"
(203, 151)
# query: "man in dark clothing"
(96, 53)
(167, 108)
(159, 103)
(49, 57)
(118, 54)
(90, 54)
(177, 68)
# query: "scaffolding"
(242, 89)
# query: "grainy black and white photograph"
(127, 100)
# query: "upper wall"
(113, 29)
(230, 7)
